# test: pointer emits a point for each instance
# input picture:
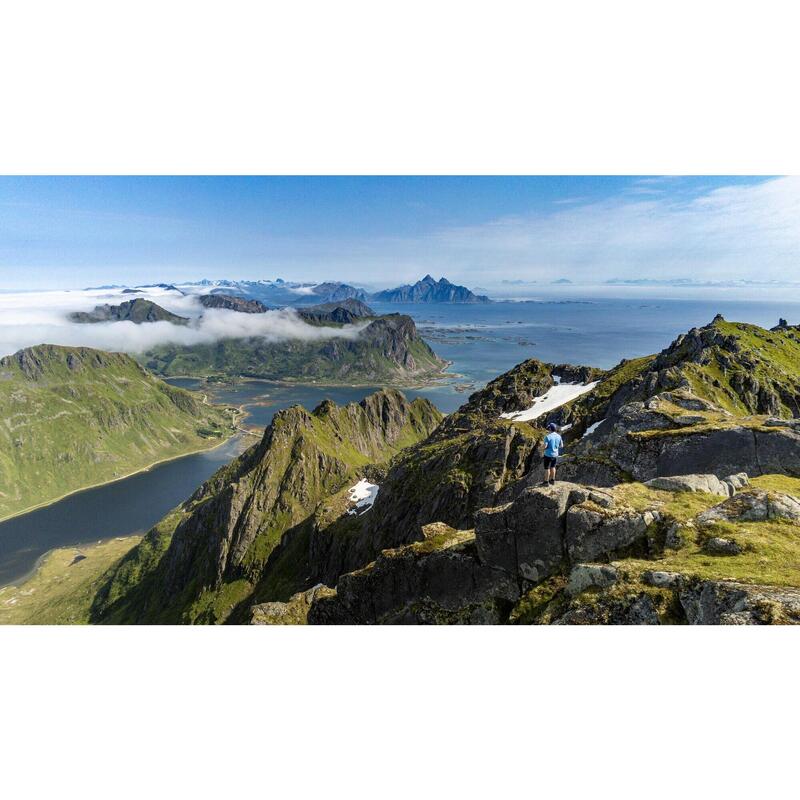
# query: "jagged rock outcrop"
(722, 451)
(438, 580)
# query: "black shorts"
(550, 462)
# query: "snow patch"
(363, 494)
(555, 397)
(556, 379)
(592, 428)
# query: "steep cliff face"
(223, 536)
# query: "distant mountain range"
(278, 292)
(429, 290)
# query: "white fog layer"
(31, 318)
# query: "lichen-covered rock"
(663, 580)
(587, 576)
(636, 610)
(753, 506)
(593, 533)
(292, 612)
(673, 539)
(709, 484)
(731, 603)
(719, 546)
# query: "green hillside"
(74, 417)
(388, 350)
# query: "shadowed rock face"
(461, 576)
(721, 452)
(413, 584)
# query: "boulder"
(592, 534)
(736, 482)
(709, 484)
(753, 506)
(673, 540)
(600, 497)
(717, 546)
(586, 576)
(636, 610)
(731, 603)
(663, 580)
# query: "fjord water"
(482, 341)
(122, 508)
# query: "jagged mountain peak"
(220, 544)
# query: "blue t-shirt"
(553, 444)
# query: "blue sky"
(65, 232)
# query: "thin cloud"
(733, 232)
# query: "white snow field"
(555, 397)
(363, 494)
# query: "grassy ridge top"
(72, 417)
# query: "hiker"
(553, 447)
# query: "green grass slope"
(62, 589)
(74, 417)
(388, 350)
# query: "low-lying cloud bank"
(31, 318)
